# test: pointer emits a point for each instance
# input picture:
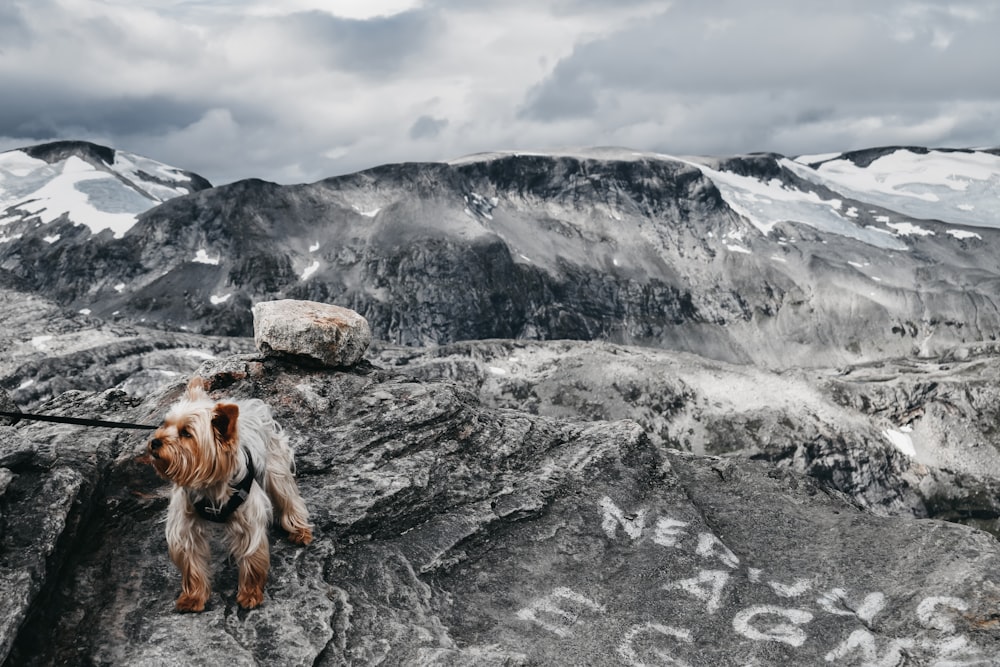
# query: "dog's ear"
(224, 422)
(196, 388)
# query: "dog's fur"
(199, 447)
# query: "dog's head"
(197, 444)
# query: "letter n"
(633, 524)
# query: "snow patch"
(216, 299)
(20, 164)
(901, 441)
(371, 213)
(202, 257)
(954, 186)
(819, 157)
(169, 182)
(909, 229)
(478, 205)
(66, 192)
(963, 234)
(100, 198)
(767, 203)
(309, 270)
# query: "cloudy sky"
(298, 90)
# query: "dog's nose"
(155, 444)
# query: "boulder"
(330, 335)
(449, 533)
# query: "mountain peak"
(85, 184)
(57, 151)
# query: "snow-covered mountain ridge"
(103, 188)
(828, 259)
(899, 184)
(91, 185)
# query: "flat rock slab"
(330, 335)
(452, 534)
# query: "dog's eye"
(184, 433)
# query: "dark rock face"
(449, 533)
(60, 150)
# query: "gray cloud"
(740, 75)
(13, 29)
(377, 46)
(28, 114)
(426, 127)
(834, 52)
(292, 92)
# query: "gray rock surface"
(329, 334)
(905, 437)
(452, 533)
(45, 351)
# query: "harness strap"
(241, 490)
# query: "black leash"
(16, 416)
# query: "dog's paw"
(301, 536)
(250, 598)
(190, 604)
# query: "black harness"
(241, 490)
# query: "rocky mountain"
(58, 196)
(820, 260)
(55, 188)
(624, 408)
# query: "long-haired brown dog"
(228, 461)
